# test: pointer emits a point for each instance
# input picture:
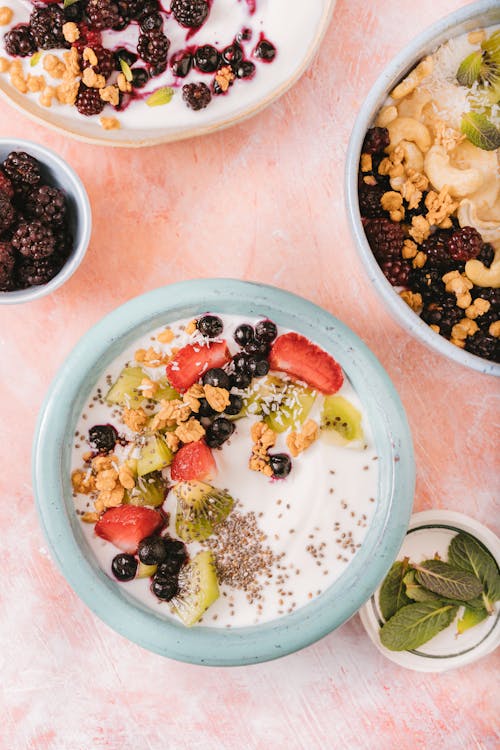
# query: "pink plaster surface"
(262, 201)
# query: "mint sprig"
(480, 131)
(416, 624)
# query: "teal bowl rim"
(82, 215)
(484, 12)
(107, 599)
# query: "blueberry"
(74, 12)
(152, 550)
(261, 368)
(245, 35)
(152, 22)
(260, 348)
(218, 432)
(232, 54)
(266, 331)
(241, 380)
(217, 378)
(124, 567)
(244, 334)
(140, 77)
(241, 363)
(245, 69)
(165, 587)
(176, 558)
(207, 59)
(265, 51)
(205, 409)
(182, 65)
(235, 405)
(210, 326)
(281, 464)
(123, 54)
(103, 437)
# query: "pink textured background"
(262, 201)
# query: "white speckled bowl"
(58, 173)
(476, 15)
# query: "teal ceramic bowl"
(107, 599)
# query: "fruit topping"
(210, 326)
(300, 358)
(22, 169)
(176, 556)
(126, 525)
(218, 432)
(164, 587)
(244, 334)
(200, 507)
(376, 141)
(150, 489)
(235, 405)
(124, 567)
(46, 26)
(146, 571)
(265, 51)
(340, 421)
(281, 464)
(152, 550)
(198, 588)
(88, 101)
(193, 461)
(47, 204)
(155, 455)
(193, 360)
(385, 238)
(126, 390)
(207, 59)
(266, 331)
(190, 13)
(33, 240)
(103, 437)
(153, 47)
(19, 41)
(217, 378)
(465, 244)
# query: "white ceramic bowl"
(58, 173)
(477, 15)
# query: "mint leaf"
(470, 618)
(392, 594)
(445, 580)
(416, 624)
(480, 131)
(417, 592)
(469, 69)
(466, 553)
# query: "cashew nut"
(460, 182)
(413, 159)
(467, 216)
(412, 106)
(408, 129)
(408, 84)
(386, 115)
(466, 156)
(480, 275)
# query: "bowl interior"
(53, 489)
(55, 171)
(480, 14)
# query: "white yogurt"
(314, 520)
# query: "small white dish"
(429, 532)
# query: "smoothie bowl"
(223, 471)
(423, 189)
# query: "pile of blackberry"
(445, 250)
(35, 241)
(151, 59)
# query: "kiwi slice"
(198, 588)
(282, 403)
(340, 421)
(155, 455)
(149, 490)
(124, 390)
(145, 571)
(165, 391)
(200, 507)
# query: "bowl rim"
(206, 645)
(42, 117)
(402, 63)
(83, 212)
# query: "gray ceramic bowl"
(477, 15)
(58, 173)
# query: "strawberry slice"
(299, 357)
(193, 461)
(190, 362)
(126, 525)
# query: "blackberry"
(19, 41)
(429, 283)
(7, 213)
(104, 14)
(46, 26)
(207, 59)
(196, 95)
(385, 238)
(47, 204)
(6, 186)
(7, 261)
(396, 271)
(36, 272)
(369, 201)
(105, 61)
(436, 248)
(157, 69)
(484, 345)
(22, 168)
(145, 8)
(487, 293)
(75, 11)
(464, 244)
(486, 319)
(444, 315)
(486, 254)
(417, 210)
(135, 8)
(63, 240)
(190, 13)
(153, 22)
(153, 47)
(88, 102)
(33, 240)
(376, 141)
